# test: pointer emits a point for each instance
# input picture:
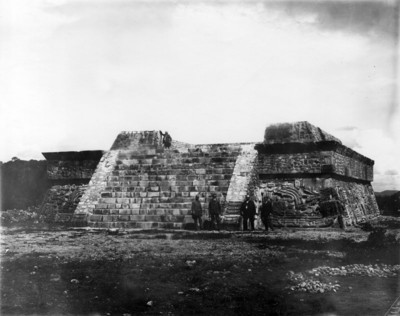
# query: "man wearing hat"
(248, 212)
(214, 209)
(197, 212)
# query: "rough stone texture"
(298, 132)
(71, 164)
(138, 140)
(315, 162)
(98, 183)
(296, 200)
(303, 168)
(242, 182)
(57, 170)
(358, 198)
(61, 200)
(150, 186)
(139, 183)
(242, 173)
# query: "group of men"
(214, 209)
(248, 212)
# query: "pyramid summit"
(297, 132)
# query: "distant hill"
(386, 193)
(389, 202)
(23, 183)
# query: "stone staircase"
(240, 181)
(153, 187)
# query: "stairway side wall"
(97, 183)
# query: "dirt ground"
(89, 272)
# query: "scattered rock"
(376, 270)
(190, 263)
(55, 277)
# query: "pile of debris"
(28, 216)
(376, 270)
(61, 199)
(301, 284)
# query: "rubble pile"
(302, 284)
(314, 286)
(15, 216)
(61, 199)
(376, 270)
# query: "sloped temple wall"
(141, 184)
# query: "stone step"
(129, 154)
(171, 180)
(125, 214)
(142, 217)
(147, 201)
(138, 225)
(128, 178)
(173, 170)
(233, 207)
(179, 157)
(171, 205)
(174, 191)
(155, 191)
(129, 175)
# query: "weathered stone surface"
(61, 199)
(71, 164)
(139, 177)
(298, 132)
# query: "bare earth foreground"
(286, 272)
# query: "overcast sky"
(75, 73)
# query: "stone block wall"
(140, 183)
(315, 162)
(140, 139)
(67, 170)
(358, 197)
(97, 184)
(60, 200)
(153, 187)
(71, 166)
(352, 168)
(311, 162)
(299, 132)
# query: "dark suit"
(265, 212)
(248, 212)
(214, 208)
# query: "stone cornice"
(292, 148)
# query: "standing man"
(197, 212)
(214, 208)
(340, 212)
(265, 212)
(248, 212)
(166, 139)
